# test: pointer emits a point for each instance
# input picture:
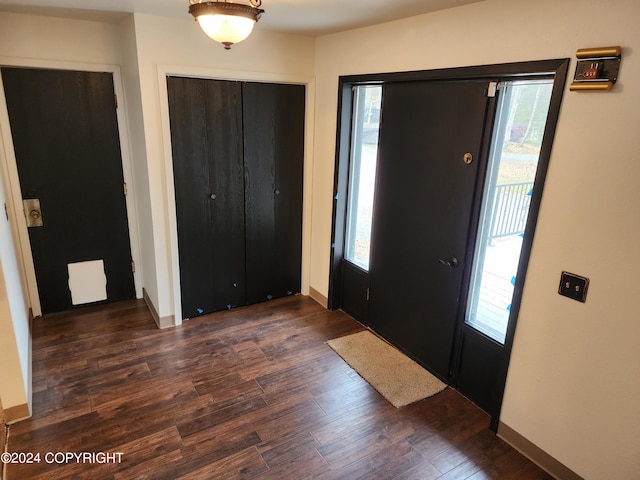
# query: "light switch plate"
(573, 286)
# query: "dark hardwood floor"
(252, 393)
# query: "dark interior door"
(273, 154)
(67, 146)
(206, 142)
(424, 197)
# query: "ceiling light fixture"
(225, 21)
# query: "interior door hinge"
(491, 91)
(133, 266)
(126, 190)
(115, 99)
(367, 294)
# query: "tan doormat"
(394, 375)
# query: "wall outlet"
(573, 286)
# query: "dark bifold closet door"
(423, 206)
(273, 154)
(206, 117)
(237, 158)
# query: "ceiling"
(310, 17)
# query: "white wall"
(57, 39)
(574, 381)
(133, 95)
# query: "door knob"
(452, 262)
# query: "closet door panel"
(187, 109)
(289, 181)
(227, 194)
(205, 119)
(273, 118)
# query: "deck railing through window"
(510, 208)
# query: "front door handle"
(452, 262)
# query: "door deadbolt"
(34, 217)
(468, 158)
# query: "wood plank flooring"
(249, 393)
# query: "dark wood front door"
(67, 146)
(423, 209)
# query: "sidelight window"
(517, 139)
(363, 156)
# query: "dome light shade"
(226, 29)
(224, 21)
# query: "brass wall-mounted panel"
(591, 86)
(599, 52)
(597, 69)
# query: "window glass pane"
(517, 137)
(364, 153)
